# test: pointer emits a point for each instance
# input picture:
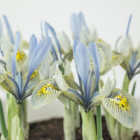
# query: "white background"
(110, 18)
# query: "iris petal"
(17, 42)
(44, 93)
(11, 37)
(123, 107)
(96, 63)
(82, 62)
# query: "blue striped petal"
(96, 63)
(39, 54)
(82, 61)
(52, 31)
(10, 34)
(17, 43)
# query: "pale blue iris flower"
(80, 29)
(131, 61)
(16, 84)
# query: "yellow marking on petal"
(46, 89)
(121, 101)
(20, 57)
(34, 74)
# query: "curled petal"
(123, 107)
(44, 93)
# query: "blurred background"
(109, 17)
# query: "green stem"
(88, 125)
(133, 90)
(99, 122)
(69, 127)
(2, 121)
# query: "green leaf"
(126, 83)
(133, 90)
(2, 121)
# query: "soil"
(53, 130)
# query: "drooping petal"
(10, 86)
(74, 96)
(17, 42)
(123, 107)
(44, 71)
(52, 31)
(82, 62)
(44, 93)
(60, 80)
(96, 64)
(11, 37)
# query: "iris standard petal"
(75, 25)
(76, 42)
(60, 80)
(52, 31)
(41, 51)
(41, 29)
(44, 93)
(10, 34)
(107, 53)
(74, 96)
(82, 20)
(17, 42)
(44, 70)
(96, 63)
(32, 48)
(82, 62)
(123, 107)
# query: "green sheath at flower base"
(17, 133)
(2, 121)
(13, 110)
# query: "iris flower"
(131, 54)
(80, 29)
(89, 63)
(16, 84)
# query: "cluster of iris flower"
(42, 70)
